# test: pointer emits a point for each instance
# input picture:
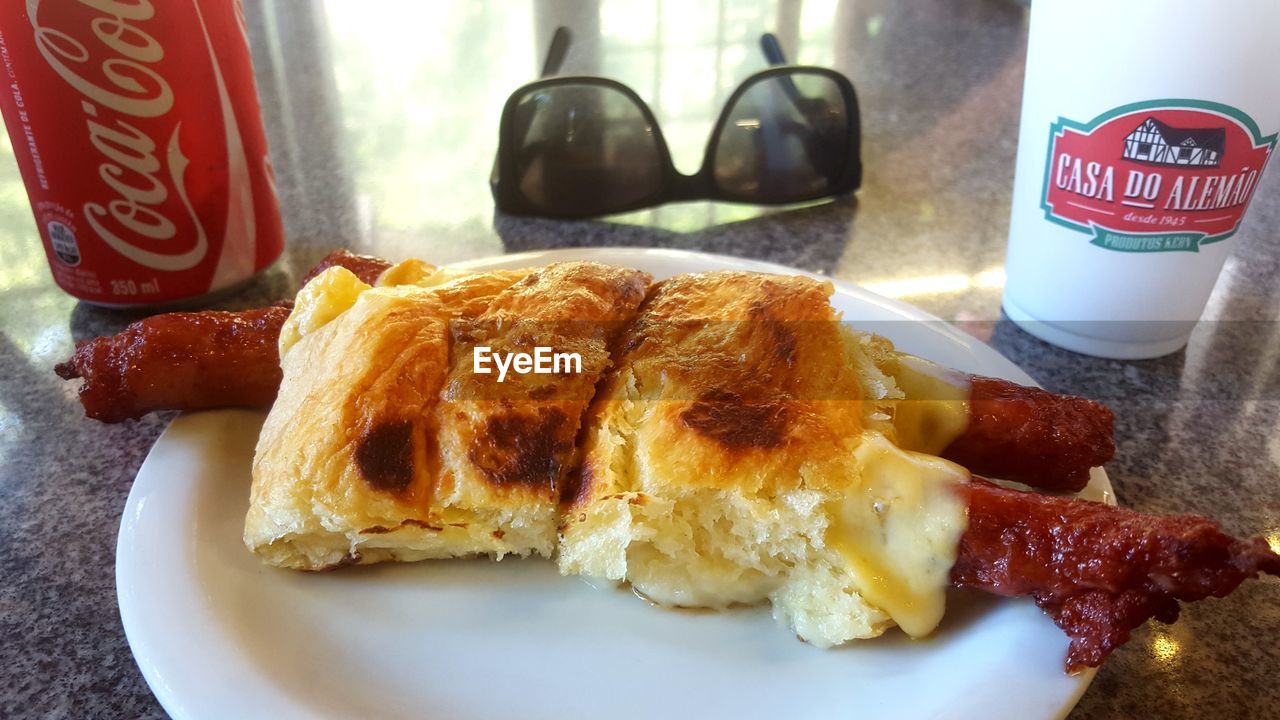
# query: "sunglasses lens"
(787, 138)
(584, 150)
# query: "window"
(1144, 149)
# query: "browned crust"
(524, 448)
(384, 455)
(520, 434)
(735, 367)
(735, 422)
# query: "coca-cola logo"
(114, 69)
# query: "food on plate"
(1100, 571)
(190, 360)
(170, 362)
(383, 445)
(760, 480)
(1030, 435)
(365, 267)
(187, 361)
(743, 450)
(725, 441)
(996, 427)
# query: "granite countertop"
(382, 121)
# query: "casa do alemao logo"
(1164, 175)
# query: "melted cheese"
(936, 408)
(420, 273)
(898, 531)
(327, 296)
(408, 272)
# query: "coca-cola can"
(137, 130)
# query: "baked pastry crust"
(716, 450)
(384, 445)
(743, 386)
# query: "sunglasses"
(573, 147)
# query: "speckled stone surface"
(382, 120)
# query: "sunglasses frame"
(675, 185)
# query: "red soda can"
(137, 130)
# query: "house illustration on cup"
(1158, 143)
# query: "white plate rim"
(140, 543)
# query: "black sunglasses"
(572, 147)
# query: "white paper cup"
(1143, 138)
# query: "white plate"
(219, 635)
